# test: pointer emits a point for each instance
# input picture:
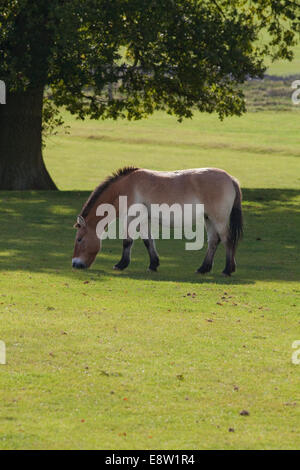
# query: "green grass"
(284, 67)
(262, 149)
(100, 359)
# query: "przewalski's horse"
(217, 190)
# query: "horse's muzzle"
(78, 264)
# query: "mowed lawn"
(135, 360)
(284, 67)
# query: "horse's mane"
(103, 186)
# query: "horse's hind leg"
(125, 260)
(230, 265)
(230, 250)
(213, 240)
(154, 259)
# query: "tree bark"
(21, 162)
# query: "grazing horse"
(219, 192)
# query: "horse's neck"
(109, 196)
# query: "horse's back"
(209, 186)
(199, 175)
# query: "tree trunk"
(21, 161)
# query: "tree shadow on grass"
(37, 236)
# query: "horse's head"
(87, 244)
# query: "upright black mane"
(103, 186)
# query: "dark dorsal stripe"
(103, 186)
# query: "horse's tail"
(236, 216)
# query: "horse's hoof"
(117, 268)
(226, 274)
(152, 270)
(203, 270)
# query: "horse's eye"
(79, 240)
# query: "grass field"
(167, 360)
(285, 68)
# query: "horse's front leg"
(154, 259)
(125, 260)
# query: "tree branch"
(219, 8)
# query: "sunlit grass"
(132, 360)
(244, 146)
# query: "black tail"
(236, 216)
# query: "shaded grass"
(39, 237)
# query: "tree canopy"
(169, 55)
(180, 54)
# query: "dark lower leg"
(125, 260)
(209, 257)
(230, 261)
(154, 259)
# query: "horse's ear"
(80, 222)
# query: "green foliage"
(52, 119)
(179, 54)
